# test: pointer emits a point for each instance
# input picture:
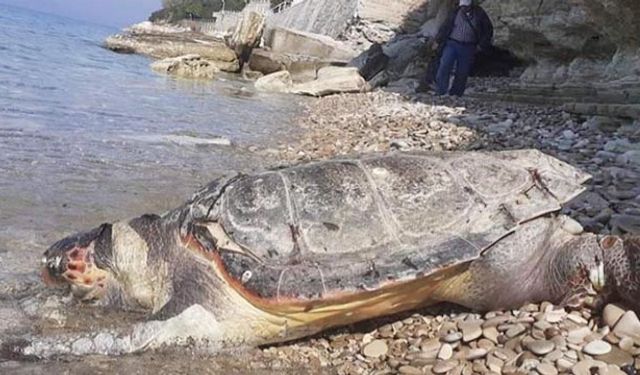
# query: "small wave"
(8, 68)
(181, 140)
(28, 85)
(28, 47)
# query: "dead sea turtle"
(278, 255)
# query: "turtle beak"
(72, 260)
(52, 269)
(596, 276)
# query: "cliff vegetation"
(175, 10)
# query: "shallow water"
(88, 136)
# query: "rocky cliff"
(576, 40)
(584, 54)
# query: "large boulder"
(275, 82)
(332, 80)
(188, 66)
(406, 51)
(267, 62)
(302, 68)
(247, 34)
(371, 62)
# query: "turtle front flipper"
(193, 326)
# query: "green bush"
(175, 10)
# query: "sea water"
(90, 136)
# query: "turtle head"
(622, 267)
(125, 264)
(81, 261)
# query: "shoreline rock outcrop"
(584, 55)
(171, 43)
(187, 66)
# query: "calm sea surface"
(88, 136)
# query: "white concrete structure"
(330, 17)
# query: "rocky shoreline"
(538, 338)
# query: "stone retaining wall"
(326, 17)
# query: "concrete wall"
(290, 41)
(331, 17)
(389, 11)
(326, 17)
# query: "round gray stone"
(597, 347)
(541, 347)
(476, 354)
(446, 352)
(452, 337)
(627, 325)
(444, 367)
(471, 330)
(546, 369)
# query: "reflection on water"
(76, 122)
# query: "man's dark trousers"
(462, 54)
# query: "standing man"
(466, 29)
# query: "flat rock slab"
(283, 40)
(161, 46)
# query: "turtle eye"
(609, 242)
